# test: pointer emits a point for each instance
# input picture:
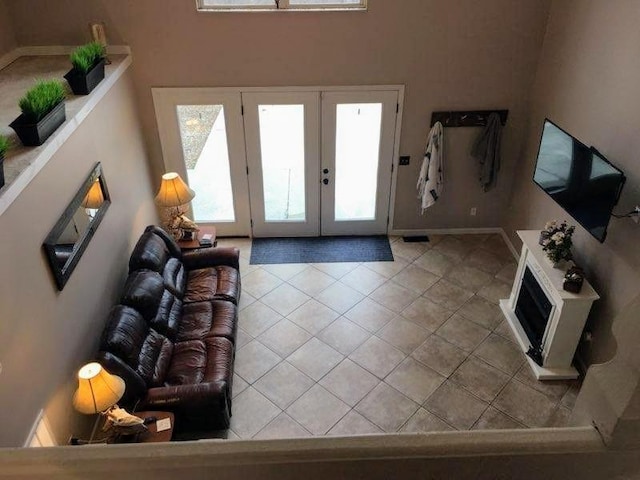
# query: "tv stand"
(544, 318)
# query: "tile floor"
(414, 345)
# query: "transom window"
(262, 5)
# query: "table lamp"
(173, 194)
(94, 198)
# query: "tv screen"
(578, 178)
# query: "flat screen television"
(578, 178)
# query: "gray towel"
(486, 151)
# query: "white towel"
(431, 178)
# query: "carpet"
(321, 250)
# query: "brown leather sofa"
(172, 336)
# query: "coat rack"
(467, 118)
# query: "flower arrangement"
(556, 240)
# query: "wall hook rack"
(467, 118)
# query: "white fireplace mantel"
(568, 313)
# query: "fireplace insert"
(533, 309)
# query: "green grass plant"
(41, 99)
(4, 145)
(86, 56)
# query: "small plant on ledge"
(88, 68)
(4, 146)
(42, 112)
(556, 241)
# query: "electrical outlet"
(404, 159)
(636, 217)
(473, 211)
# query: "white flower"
(550, 225)
(558, 237)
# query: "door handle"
(326, 170)
(325, 181)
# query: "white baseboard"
(457, 231)
(42, 50)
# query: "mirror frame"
(62, 275)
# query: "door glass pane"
(206, 156)
(357, 152)
(282, 153)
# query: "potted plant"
(556, 242)
(42, 112)
(88, 68)
(4, 146)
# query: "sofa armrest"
(187, 396)
(211, 257)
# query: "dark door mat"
(321, 250)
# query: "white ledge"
(22, 164)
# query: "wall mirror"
(72, 233)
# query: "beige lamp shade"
(173, 191)
(98, 390)
(94, 198)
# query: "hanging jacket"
(431, 177)
(486, 151)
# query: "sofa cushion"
(168, 317)
(200, 361)
(150, 253)
(175, 277)
(216, 283)
(124, 334)
(143, 291)
(155, 358)
(217, 318)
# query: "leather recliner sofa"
(172, 337)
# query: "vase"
(560, 264)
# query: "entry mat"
(321, 250)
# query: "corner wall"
(7, 35)
(46, 335)
(587, 83)
(460, 54)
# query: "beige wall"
(7, 35)
(450, 54)
(587, 82)
(47, 335)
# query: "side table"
(151, 435)
(194, 244)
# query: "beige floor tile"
(505, 331)
(455, 405)
(312, 281)
(554, 389)
(424, 421)
(453, 248)
(495, 291)
(242, 338)
(284, 384)
(448, 295)
(393, 296)
(339, 297)
(386, 407)
(336, 270)
(259, 282)
(435, 262)
(246, 299)
(560, 418)
(403, 335)
(284, 338)
(251, 413)
(462, 333)
(485, 261)
(315, 358)
(239, 385)
(409, 251)
(416, 278)
(494, 419)
(257, 318)
(254, 360)
(501, 353)
(313, 316)
(349, 382)
(343, 335)
(245, 266)
(525, 404)
(354, 424)
(469, 278)
(283, 426)
(363, 280)
(370, 315)
(569, 398)
(285, 299)
(508, 273)
(387, 269)
(479, 378)
(318, 410)
(495, 244)
(414, 380)
(482, 312)
(285, 271)
(439, 355)
(377, 356)
(427, 314)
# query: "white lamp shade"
(98, 390)
(173, 191)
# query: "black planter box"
(35, 134)
(1, 171)
(84, 83)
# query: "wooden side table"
(195, 243)
(151, 435)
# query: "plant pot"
(1, 170)
(35, 134)
(84, 83)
